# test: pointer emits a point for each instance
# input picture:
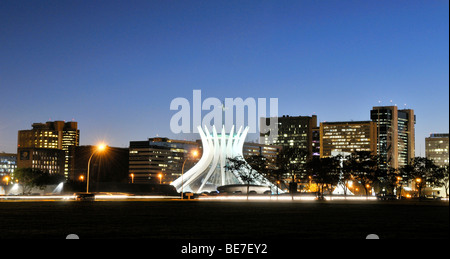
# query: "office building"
(57, 135)
(348, 137)
(300, 132)
(159, 160)
(269, 152)
(51, 160)
(436, 148)
(293, 131)
(395, 135)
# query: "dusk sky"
(115, 66)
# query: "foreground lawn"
(223, 220)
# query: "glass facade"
(395, 137)
(403, 131)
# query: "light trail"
(122, 197)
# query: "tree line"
(361, 168)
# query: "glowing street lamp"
(6, 179)
(160, 178)
(100, 148)
(194, 154)
(132, 178)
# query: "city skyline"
(114, 68)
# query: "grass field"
(223, 220)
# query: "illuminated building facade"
(45, 159)
(436, 148)
(55, 135)
(293, 131)
(269, 152)
(347, 136)
(299, 132)
(8, 163)
(148, 159)
(395, 135)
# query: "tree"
(244, 171)
(422, 172)
(258, 163)
(389, 180)
(363, 167)
(34, 178)
(345, 175)
(443, 171)
(291, 162)
(394, 181)
(324, 172)
(406, 174)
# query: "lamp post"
(194, 155)
(99, 148)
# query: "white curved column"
(209, 173)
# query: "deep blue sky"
(115, 66)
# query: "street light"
(278, 186)
(6, 179)
(160, 178)
(100, 148)
(194, 154)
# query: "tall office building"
(38, 147)
(347, 136)
(436, 148)
(395, 135)
(157, 156)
